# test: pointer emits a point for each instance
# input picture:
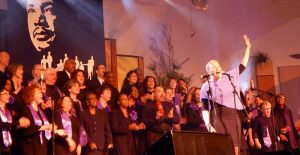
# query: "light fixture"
(200, 4)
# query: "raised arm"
(245, 59)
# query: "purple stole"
(66, 122)
(39, 122)
(83, 136)
(100, 107)
(6, 117)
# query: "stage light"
(200, 4)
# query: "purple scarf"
(6, 117)
(100, 107)
(66, 122)
(39, 122)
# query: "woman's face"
(197, 95)
(134, 92)
(281, 100)
(80, 78)
(38, 96)
(66, 104)
(215, 70)
(106, 94)
(19, 72)
(123, 101)
(132, 78)
(169, 95)
(173, 83)
(266, 110)
(150, 83)
(4, 96)
(75, 89)
(8, 86)
(92, 100)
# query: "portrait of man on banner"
(41, 23)
(49, 32)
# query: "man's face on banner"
(41, 18)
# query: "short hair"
(68, 85)
(265, 103)
(28, 95)
(85, 97)
(101, 89)
(68, 62)
(279, 96)
(210, 62)
(48, 71)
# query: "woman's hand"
(24, 122)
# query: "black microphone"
(227, 74)
(45, 97)
(252, 85)
(204, 76)
(192, 35)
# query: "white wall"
(218, 31)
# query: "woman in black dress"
(96, 124)
(68, 133)
(79, 76)
(195, 120)
(130, 79)
(35, 138)
(72, 89)
(7, 123)
(123, 124)
(289, 136)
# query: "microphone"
(227, 74)
(192, 35)
(205, 76)
(252, 85)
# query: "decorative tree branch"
(163, 64)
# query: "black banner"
(48, 32)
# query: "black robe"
(123, 137)
(30, 140)
(61, 145)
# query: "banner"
(49, 32)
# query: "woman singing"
(218, 98)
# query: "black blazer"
(62, 78)
(94, 84)
(97, 128)
(162, 124)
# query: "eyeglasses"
(4, 93)
(91, 98)
(266, 109)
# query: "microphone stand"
(53, 126)
(235, 93)
(42, 83)
(211, 103)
